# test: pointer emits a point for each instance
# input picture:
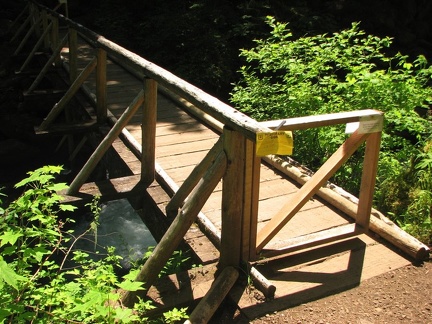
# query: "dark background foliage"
(200, 40)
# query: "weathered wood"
(73, 54)
(214, 297)
(86, 170)
(179, 227)
(101, 87)
(309, 189)
(307, 122)
(47, 66)
(58, 107)
(148, 129)
(70, 128)
(185, 189)
(262, 284)
(367, 187)
(26, 37)
(252, 168)
(314, 239)
(232, 199)
(107, 190)
(55, 38)
(35, 48)
(348, 204)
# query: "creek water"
(119, 226)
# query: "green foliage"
(35, 285)
(349, 70)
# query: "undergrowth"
(36, 286)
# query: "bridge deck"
(182, 142)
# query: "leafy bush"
(349, 70)
(35, 286)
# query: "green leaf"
(8, 275)
(131, 285)
(67, 207)
(10, 237)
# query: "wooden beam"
(58, 107)
(367, 186)
(148, 129)
(101, 86)
(47, 66)
(73, 54)
(214, 297)
(306, 122)
(94, 159)
(191, 181)
(232, 199)
(252, 170)
(178, 228)
(314, 239)
(289, 210)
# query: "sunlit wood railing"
(232, 159)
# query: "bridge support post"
(148, 138)
(101, 88)
(239, 200)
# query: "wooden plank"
(182, 137)
(308, 190)
(193, 179)
(110, 189)
(186, 148)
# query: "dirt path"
(400, 296)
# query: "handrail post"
(239, 199)
(252, 185)
(101, 88)
(73, 54)
(148, 138)
(55, 39)
(368, 179)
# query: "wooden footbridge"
(212, 170)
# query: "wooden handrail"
(222, 112)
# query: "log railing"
(233, 158)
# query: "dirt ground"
(399, 296)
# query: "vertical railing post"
(149, 118)
(55, 39)
(101, 89)
(252, 184)
(368, 179)
(238, 190)
(73, 54)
